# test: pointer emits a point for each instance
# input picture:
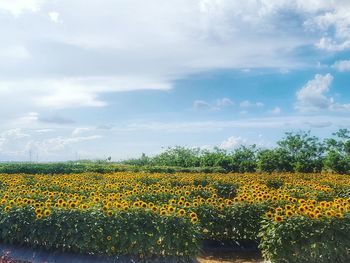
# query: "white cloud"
(27, 119)
(56, 119)
(9, 139)
(333, 20)
(117, 46)
(276, 110)
(201, 105)
(14, 134)
(339, 107)
(63, 97)
(125, 40)
(224, 102)
(73, 92)
(313, 96)
(331, 45)
(17, 7)
(284, 71)
(248, 104)
(34, 119)
(219, 104)
(59, 143)
(44, 130)
(55, 17)
(233, 142)
(17, 52)
(319, 124)
(342, 65)
(80, 130)
(21, 144)
(55, 148)
(282, 122)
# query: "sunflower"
(47, 212)
(109, 213)
(289, 213)
(193, 214)
(171, 209)
(181, 212)
(38, 211)
(288, 207)
(339, 215)
(39, 216)
(278, 218)
(269, 215)
(194, 220)
(278, 209)
(329, 213)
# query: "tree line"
(295, 152)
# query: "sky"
(88, 79)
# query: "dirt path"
(11, 254)
(230, 257)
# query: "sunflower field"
(292, 217)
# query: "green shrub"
(240, 222)
(136, 232)
(301, 239)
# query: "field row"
(294, 218)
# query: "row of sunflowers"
(293, 217)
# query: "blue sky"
(118, 78)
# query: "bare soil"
(230, 257)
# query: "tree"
(178, 156)
(304, 151)
(243, 159)
(338, 152)
(216, 158)
(274, 160)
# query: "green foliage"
(218, 158)
(134, 233)
(237, 223)
(303, 150)
(337, 162)
(274, 160)
(338, 152)
(274, 183)
(178, 156)
(296, 152)
(59, 168)
(244, 159)
(301, 239)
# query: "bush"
(301, 239)
(337, 162)
(137, 232)
(240, 222)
